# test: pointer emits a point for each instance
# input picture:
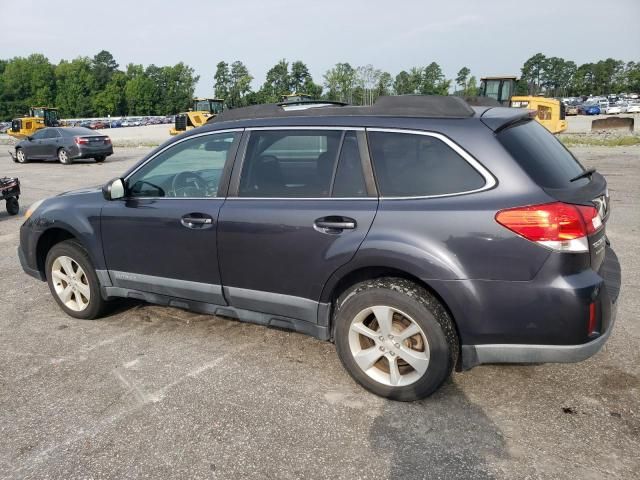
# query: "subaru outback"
(419, 234)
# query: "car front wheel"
(395, 338)
(73, 281)
(20, 156)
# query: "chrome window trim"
(490, 180)
(214, 132)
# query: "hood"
(82, 191)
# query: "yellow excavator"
(549, 111)
(203, 109)
(38, 117)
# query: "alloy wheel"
(70, 283)
(389, 346)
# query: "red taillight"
(81, 140)
(591, 326)
(558, 225)
(107, 140)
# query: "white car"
(613, 109)
(633, 107)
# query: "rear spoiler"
(499, 118)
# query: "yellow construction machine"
(203, 109)
(38, 117)
(549, 111)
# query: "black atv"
(10, 191)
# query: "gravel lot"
(152, 392)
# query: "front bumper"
(34, 272)
(610, 272)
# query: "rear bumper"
(607, 297)
(77, 152)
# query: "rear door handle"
(196, 220)
(334, 224)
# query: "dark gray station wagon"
(419, 234)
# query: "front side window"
(39, 135)
(191, 168)
(289, 163)
(413, 165)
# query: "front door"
(161, 238)
(298, 209)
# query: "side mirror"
(113, 189)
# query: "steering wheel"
(188, 184)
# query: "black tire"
(71, 248)
(63, 157)
(424, 309)
(21, 157)
(100, 158)
(13, 207)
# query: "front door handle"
(334, 224)
(196, 220)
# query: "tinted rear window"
(412, 165)
(541, 155)
(73, 131)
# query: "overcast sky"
(491, 37)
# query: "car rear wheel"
(20, 156)
(73, 281)
(63, 157)
(13, 207)
(100, 158)
(395, 338)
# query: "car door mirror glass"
(113, 189)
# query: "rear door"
(299, 207)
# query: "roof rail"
(421, 106)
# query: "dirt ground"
(152, 392)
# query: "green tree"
(402, 84)
(103, 67)
(462, 79)
(471, 89)
(533, 72)
(433, 81)
(277, 83)
(240, 85)
(26, 82)
(111, 100)
(75, 87)
(222, 80)
(299, 77)
(340, 82)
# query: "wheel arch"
(47, 240)
(338, 285)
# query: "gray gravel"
(153, 392)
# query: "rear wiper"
(587, 173)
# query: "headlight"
(32, 208)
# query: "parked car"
(571, 109)
(418, 234)
(589, 109)
(633, 107)
(64, 145)
(613, 109)
(85, 124)
(116, 124)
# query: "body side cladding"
(266, 319)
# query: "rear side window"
(412, 165)
(541, 155)
(289, 163)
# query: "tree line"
(87, 87)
